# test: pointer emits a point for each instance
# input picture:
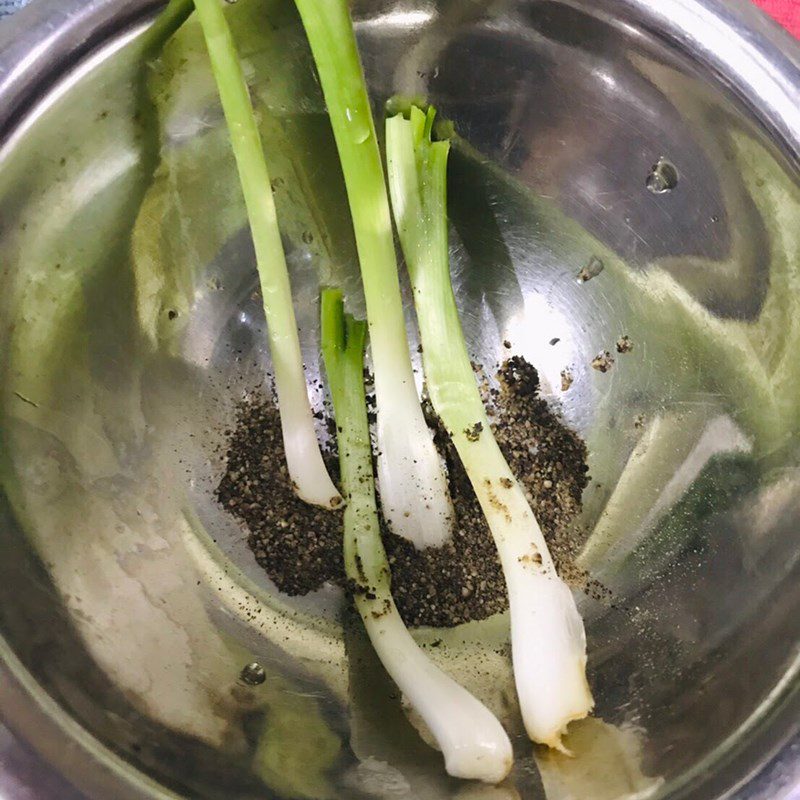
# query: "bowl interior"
(130, 330)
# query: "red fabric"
(787, 12)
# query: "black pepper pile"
(299, 546)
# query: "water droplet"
(591, 270)
(663, 177)
(253, 674)
(358, 124)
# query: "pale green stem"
(413, 487)
(303, 457)
(471, 739)
(548, 640)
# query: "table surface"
(787, 12)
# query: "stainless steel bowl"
(660, 137)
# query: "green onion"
(303, 457)
(548, 640)
(412, 483)
(473, 742)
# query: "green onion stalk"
(413, 486)
(303, 457)
(547, 633)
(471, 739)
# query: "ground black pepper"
(299, 546)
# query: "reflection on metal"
(668, 459)
(606, 763)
